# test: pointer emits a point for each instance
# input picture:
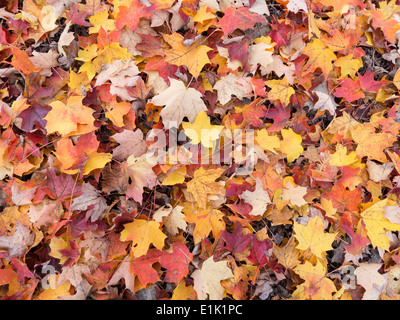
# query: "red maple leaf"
(130, 16)
(260, 251)
(143, 267)
(236, 241)
(176, 263)
(367, 82)
(350, 90)
(239, 18)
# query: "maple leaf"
(236, 241)
(258, 199)
(266, 141)
(73, 274)
(130, 15)
(77, 17)
(176, 262)
(370, 143)
(378, 172)
(140, 170)
(81, 157)
(313, 237)
(383, 18)
(287, 255)
(295, 195)
(291, 144)
(377, 225)
(183, 292)
(6, 275)
(359, 241)
(142, 267)
(123, 273)
(207, 279)
(76, 118)
(325, 100)
(201, 130)
(61, 187)
(348, 65)
(179, 102)
(341, 158)
(350, 90)
(239, 18)
(21, 196)
(101, 20)
(228, 86)
(175, 177)
(305, 99)
(316, 286)
(45, 213)
(206, 220)
(17, 243)
(143, 233)
(203, 184)
(373, 282)
(261, 53)
(67, 251)
(260, 251)
(56, 292)
(280, 90)
(173, 219)
(121, 73)
(319, 57)
(90, 197)
(21, 61)
(204, 13)
(194, 57)
(297, 5)
(130, 143)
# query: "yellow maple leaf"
(88, 53)
(175, 177)
(287, 255)
(206, 220)
(58, 244)
(291, 144)
(266, 141)
(97, 160)
(319, 56)
(348, 65)
(203, 14)
(280, 90)
(340, 128)
(313, 237)
(143, 233)
(396, 79)
(54, 292)
(70, 118)
(340, 158)
(78, 82)
(371, 143)
(202, 131)
(377, 225)
(94, 59)
(116, 112)
(327, 205)
(194, 57)
(183, 292)
(316, 285)
(203, 184)
(100, 20)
